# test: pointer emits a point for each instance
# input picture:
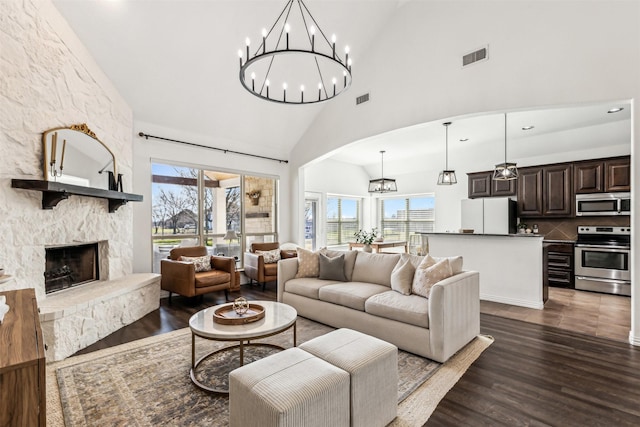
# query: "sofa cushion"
(307, 263)
(374, 268)
(212, 278)
(306, 287)
(402, 277)
(350, 294)
(201, 263)
(269, 256)
(454, 261)
(428, 273)
(331, 268)
(349, 261)
(411, 309)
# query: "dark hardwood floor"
(532, 375)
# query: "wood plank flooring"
(535, 375)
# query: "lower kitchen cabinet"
(558, 265)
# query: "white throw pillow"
(269, 256)
(402, 277)
(201, 263)
(428, 273)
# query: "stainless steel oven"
(603, 259)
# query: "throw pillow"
(270, 256)
(308, 264)
(331, 268)
(402, 277)
(430, 274)
(201, 263)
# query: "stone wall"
(259, 218)
(50, 80)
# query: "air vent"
(362, 98)
(475, 56)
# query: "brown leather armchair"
(256, 269)
(181, 278)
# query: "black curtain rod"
(193, 144)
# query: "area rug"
(146, 382)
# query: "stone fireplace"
(68, 266)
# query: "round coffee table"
(278, 318)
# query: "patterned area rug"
(146, 383)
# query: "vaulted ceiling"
(176, 64)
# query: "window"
(194, 206)
(343, 219)
(402, 218)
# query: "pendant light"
(447, 177)
(382, 185)
(505, 171)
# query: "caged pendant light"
(382, 185)
(447, 176)
(505, 171)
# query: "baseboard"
(634, 340)
(513, 301)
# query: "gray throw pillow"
(331, 268)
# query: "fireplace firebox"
(70, 265)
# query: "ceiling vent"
(362, 98)
(481, 54)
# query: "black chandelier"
(302, 61)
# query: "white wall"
(147, 151)
(541, 53)
(50, 80)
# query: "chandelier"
(382, 185)
(307, 61)
(447, 176)
(505, 171)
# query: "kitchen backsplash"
(567, 228)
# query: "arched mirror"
(74, 155)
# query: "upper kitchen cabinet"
(545, 191)
(617, 176)
(602, 175)
(481, 184)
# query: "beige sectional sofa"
(435, 327)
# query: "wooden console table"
(22, 362)
(378, 246)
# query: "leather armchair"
(181, 278)
(256, 269)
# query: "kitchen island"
(510, 265)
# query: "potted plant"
(522, 227)
(254, 195)
(366, 237)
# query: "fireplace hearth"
(70, 265)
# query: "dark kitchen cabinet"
(602, 175)
(530, 192)
(482, 184)
(588, 177)
(546, 191)
(557, 186)
(617, 175)
(558, 265)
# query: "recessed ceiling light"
(464, 139)
(527, 127)
(615, 110)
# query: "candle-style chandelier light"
(296, 52)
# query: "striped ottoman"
(373, 367)
(292, 388)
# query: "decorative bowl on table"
(239, 312)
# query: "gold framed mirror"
(74, 155)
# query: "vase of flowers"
(366, 237)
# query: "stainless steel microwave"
(603, 204)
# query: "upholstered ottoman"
(373, 366)
(292, 388)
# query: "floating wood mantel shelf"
(54, 192)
